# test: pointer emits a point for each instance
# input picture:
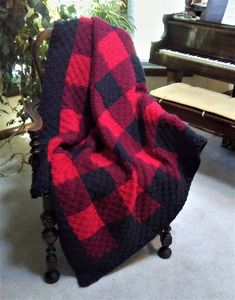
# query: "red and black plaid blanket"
(118, 167)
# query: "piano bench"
(206, 109)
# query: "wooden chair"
(50, 232)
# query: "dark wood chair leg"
(166, 240)
(50, 235)
(50, 232)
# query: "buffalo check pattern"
(118, 167)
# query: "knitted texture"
(118, 167)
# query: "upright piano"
(202, 46)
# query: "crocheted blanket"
(117, 166)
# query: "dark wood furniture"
(50, 232)
(200, 39)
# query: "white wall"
(148, 21)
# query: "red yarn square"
(103, 159)
(148, 158)
(129, 191)
(112, 49)
(69, 121)
(62, 168)
(86, 223)
(78, 72)
(107, 121)
(153, 112)
(133, 98)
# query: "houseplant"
(20, 22)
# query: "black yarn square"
(99, 183)
(109, 90)
(121, 152)
(139, 73)
(137, 130)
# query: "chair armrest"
(32, 111)
(45, 35)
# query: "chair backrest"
(32, 107)
(42, 36)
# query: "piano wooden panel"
(203, 38)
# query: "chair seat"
(200, 98)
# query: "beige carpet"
(201, 267)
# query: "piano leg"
(174, 76)
(228, 142)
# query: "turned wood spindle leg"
(35, 148)
(50, 235)
(166, 240)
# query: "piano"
(202, 46)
